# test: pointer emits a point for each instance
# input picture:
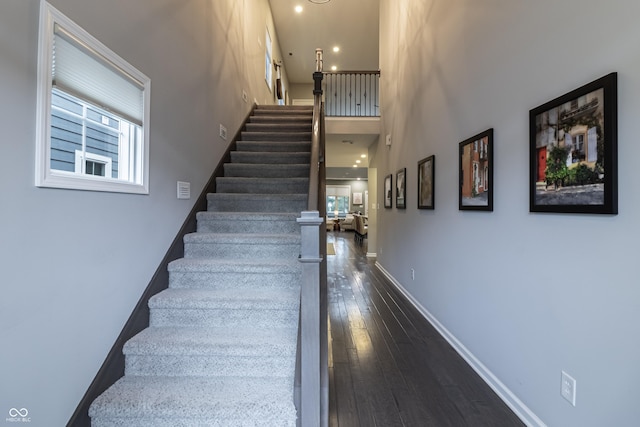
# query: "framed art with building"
(426, 182)
(401, 189)
(388, 191)
(574, 151)
(475, 165)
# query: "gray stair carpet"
(221, 346)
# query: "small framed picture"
(475, 192)
(573, 143)
(401, 189)
(357, 198)
(388, 191)
(426, 181)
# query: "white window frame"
(44, 175)
(92, 157)
(268, 69)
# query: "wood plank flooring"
(387, 365)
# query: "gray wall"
(525, 295)
(64, 300)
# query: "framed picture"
(573, 143)
(401, 189)
(475, 192)
(357, 198)
(388, 191)
(426, 181)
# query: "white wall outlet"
(184, 190)
(568, 388)
(245, 97)
(413, 274)
(223, 132)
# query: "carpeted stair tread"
(266, 170)
(279, 127)
(281, 158)
(274, 146)
(242, 238)
(256, 266)
(237, 299)
(217, 400)
(248, 216)
(261, 185)
(247, 222)
(213, 341)
(283, 136)
(251, 202)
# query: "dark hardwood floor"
(387, 365)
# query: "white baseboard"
(517, 406)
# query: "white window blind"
(338, 190)
(82, 72)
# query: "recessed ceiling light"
(298, 9)
(358, 161)
(364, 156)
(333, 68)
(355, 166)
(336, 49)
(319, 1)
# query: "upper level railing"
(312, 370)
(352, 93)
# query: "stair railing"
(312, 370)
(352, 93)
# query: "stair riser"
(244, 203)
(263, 227)
(180, 280)
(279, 127)
(266, 170)
(282, 113)
(210, 366)
(240, 251)
(262, 185)
(270, 158)
(288, 119)
(275, 136)
(274, 146)
(223, 318)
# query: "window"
(268, 60)
(93, 110)
(338, 200)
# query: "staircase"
(221, 346)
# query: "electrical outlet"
(413, 274)
(245, 97)
(223, 132)
(568, 388)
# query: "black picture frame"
(573, 142)
(388, 191)
(426, 182)
(401, 188)
(475, 166)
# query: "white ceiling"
(351, 25)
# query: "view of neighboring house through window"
(92, 112)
